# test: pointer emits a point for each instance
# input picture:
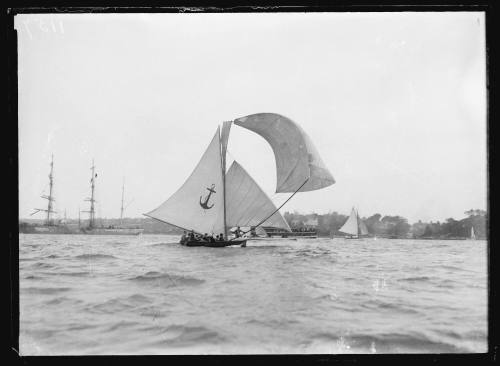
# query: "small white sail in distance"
(472, 234)
(199, 204)
(354, 225)
(351, 225)
(298, 164)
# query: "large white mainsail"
(247, 204)
(199, 204)
(297, 160)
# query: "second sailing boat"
(354, 226)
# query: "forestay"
(198, 204)
(297, 160)
(246, 203)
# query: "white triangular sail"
(363, 230)
(198, 204)
(472, 234)
(351, 225)
(297, 160)
(246, 202)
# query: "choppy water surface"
(148, 295)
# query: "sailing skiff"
(213, 200)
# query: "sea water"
(102, 295)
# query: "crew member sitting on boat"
(220, 237)
(238, 232)
(184, 238)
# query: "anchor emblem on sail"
(204, 204)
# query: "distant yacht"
(92, 229)
(354, 226)
(472, 234)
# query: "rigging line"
(289, 198)
(256, 210)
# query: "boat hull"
(112, 231)
(51, 230)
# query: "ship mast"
(224, 196)
(49, 198)
(91, 199)
(223, 157)
(121, 210)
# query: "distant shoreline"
(324, 225)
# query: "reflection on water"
(148, 295)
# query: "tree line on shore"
(396, 226)
(330, 223)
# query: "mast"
(91, 199)
(50, 197)
(121, 209)
(223, 157)
(357, 223)
(51, 184)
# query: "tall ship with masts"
(50, 225)
(214, 201)
(92, 227)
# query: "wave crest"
(95, 256)
(167, 279)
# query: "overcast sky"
(394, 102)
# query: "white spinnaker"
(351, 225)
(297, 160)
(190, 207)
(246, 202)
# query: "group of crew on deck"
(192, 236)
